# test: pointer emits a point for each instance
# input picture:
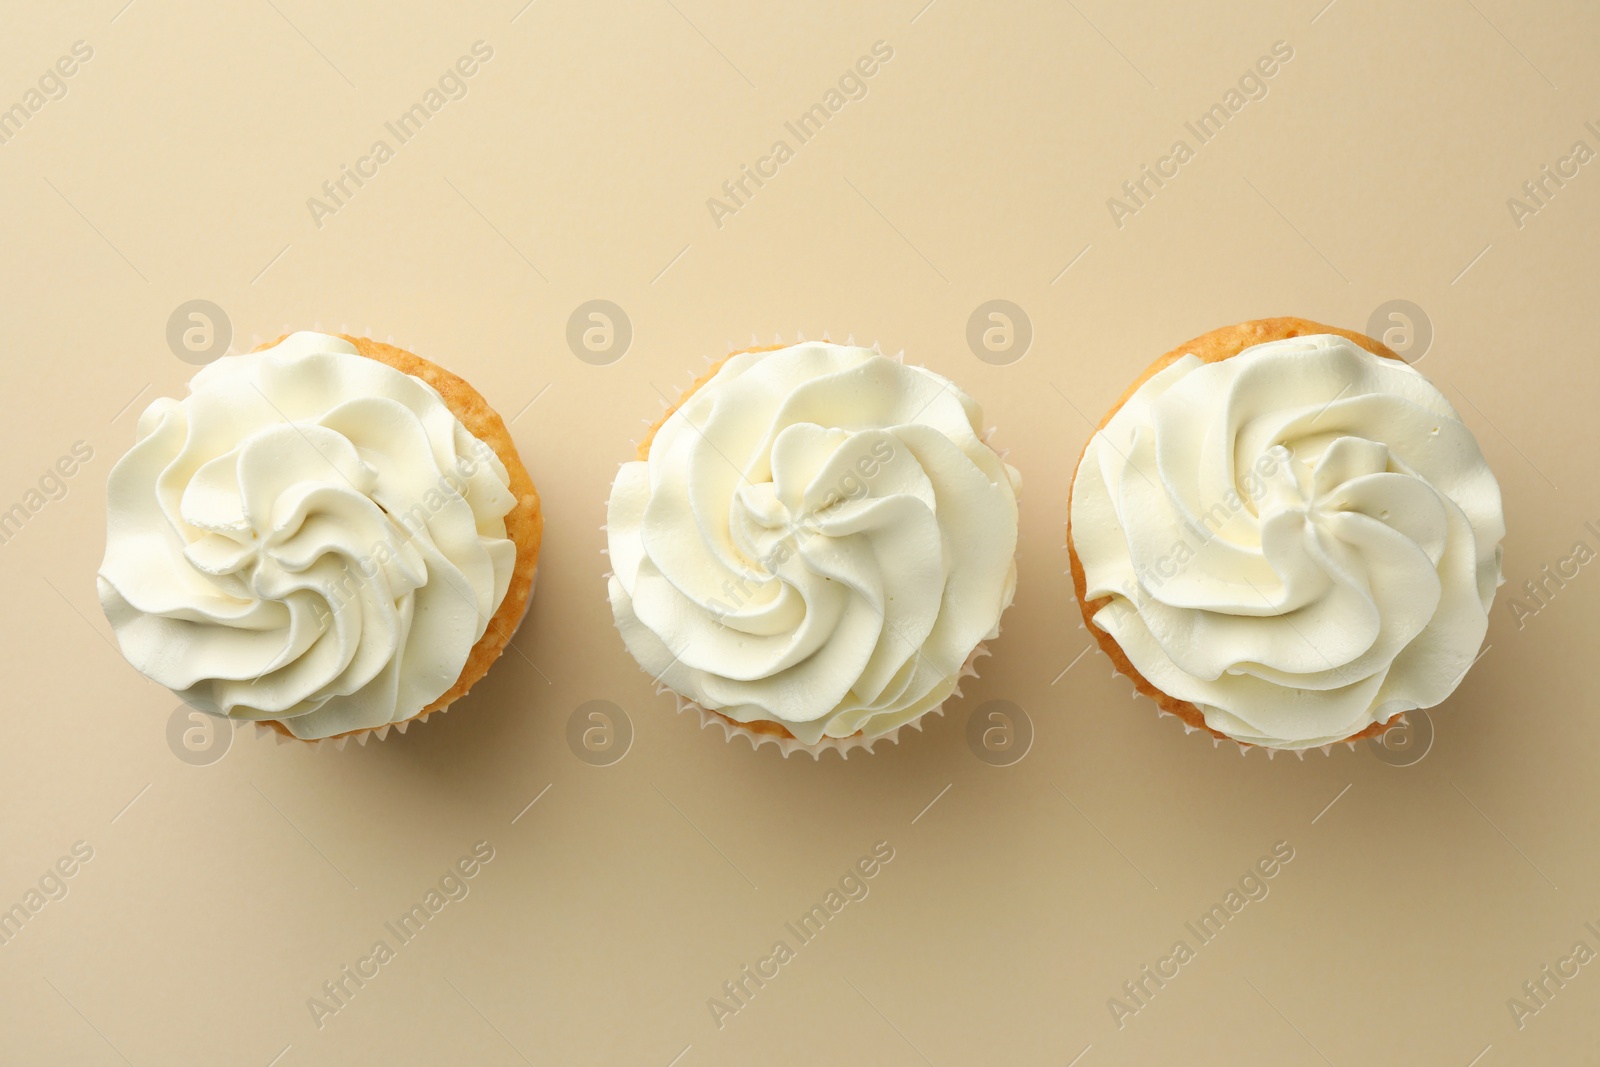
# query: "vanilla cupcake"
(1285, 535)
(330, 536)
(813, 546)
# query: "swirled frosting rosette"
(814, 545)
(314, 538)
(1287, 536)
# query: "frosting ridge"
(1301, 540)
(819, 537)
(309, 536)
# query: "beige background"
(220, 898)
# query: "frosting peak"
(819, 537)
(309, 536)
(1301, 540)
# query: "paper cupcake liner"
(360, 737)
(842, 745)
(1224, 338)
(1245, 747)
(378, 733)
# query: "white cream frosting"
(309, 536)
(819, 538)
(1301, 540)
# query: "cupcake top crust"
(1301, 540)
(819, 537)
(310, 536)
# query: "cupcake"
(1285, 535)
(329, 536)
(813, 546)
